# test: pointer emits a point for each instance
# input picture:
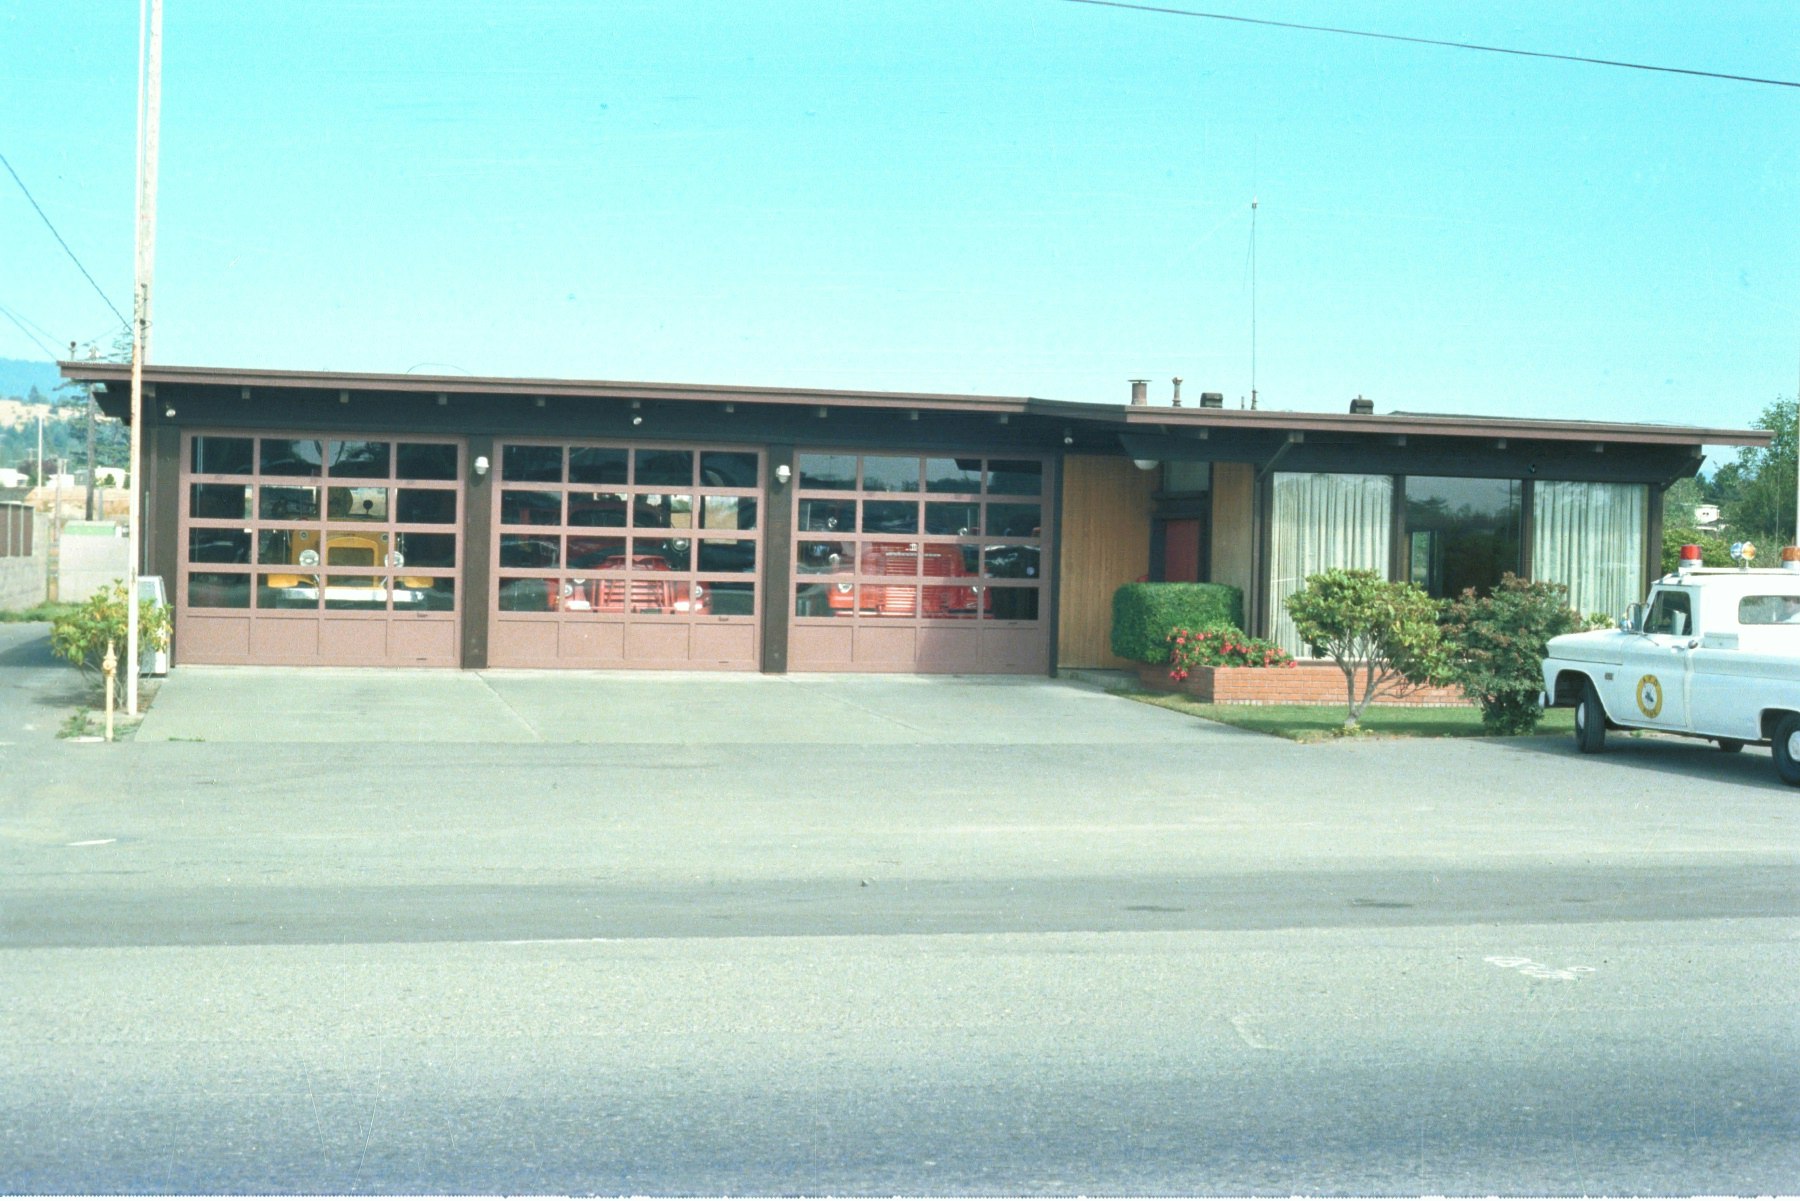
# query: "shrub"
(1386, 631)
(1144, 614)
(1715, 549)
(1226, 646)
(81, 635)
(1498, 643)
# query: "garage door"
(302, 549)
(923, 563)
(630, 556)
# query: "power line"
(20, 321)
(1396, 37)
(60, 242)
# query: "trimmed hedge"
(1143, 615)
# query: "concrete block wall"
(23, 577)
(88, 563)
(1301, 684)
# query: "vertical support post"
(149, 99)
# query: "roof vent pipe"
(1362, 404)
(1176, 399)
(1212, 400)
(1140, 391)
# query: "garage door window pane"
(1010, 562)
(828, 515)
(824, 558)
(953, 475)
(596, 554)
(218, 546)
(665, 467)
(360, 460)
(1012, 604)
(890, 517)
(524, 550)
(728, 469)
(355, 593)
(832, 472)
(427, 550)
(604, 509)
(954, 518)
(727, 556)
(276, 503)
(729, 598)
(597, 465)
(356, 504)
(223, 456)
(888, 600)
(278, 591)
(1014, 521)
(657, 511)
(530, 508)
(660, 554)
(218, 590)
(727, 513)
(230, 501)
(284, 456)
(427, 506)
(287, 546)
(882, 474)
(425, 461)
(1016, 477)
(955, 603)
(429, 595)
(525, 595)
(536, 464)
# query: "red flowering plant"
(1221, 646)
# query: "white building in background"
(17, 413)
(12, 477)
(1706, 516)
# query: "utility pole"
(87, 508)
(149, 101)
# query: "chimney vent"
(1140, 391)
(1362, 404)
(1176, 400)
(1212, 400)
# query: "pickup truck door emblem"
(1649, 696)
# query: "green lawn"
(1314, 723)
(48, 611)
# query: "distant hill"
(19, 376)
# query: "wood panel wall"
(1106, 508)
(1234, 531)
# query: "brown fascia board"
(90, 371)
(114, 373)
(1421, 424)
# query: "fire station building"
(438, 521)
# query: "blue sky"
(1012, 197)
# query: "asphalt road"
(1220, 965)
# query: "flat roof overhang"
(1300, 441)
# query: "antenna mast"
(1253, 302)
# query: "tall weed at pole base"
(1498, 644)
(81, 636)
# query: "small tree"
(81, 636)
(1498, 644)
(1383, 631)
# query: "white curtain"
(1590, 538)
(1320, 522)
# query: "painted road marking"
(1242, 1024)
(1536, 970)
(92, 842)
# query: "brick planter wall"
(1302, 684)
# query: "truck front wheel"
(1787, 749)
(1590, 721)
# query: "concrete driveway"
(323, 705)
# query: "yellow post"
(109, 665)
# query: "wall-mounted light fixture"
(168, 410)
(480, 466)
(636, 420)
(783, 473)
(540, 402)
(1068, 438)
(443, 398)
(1146, 464)
(343, 397)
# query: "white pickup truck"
(1713, 653)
